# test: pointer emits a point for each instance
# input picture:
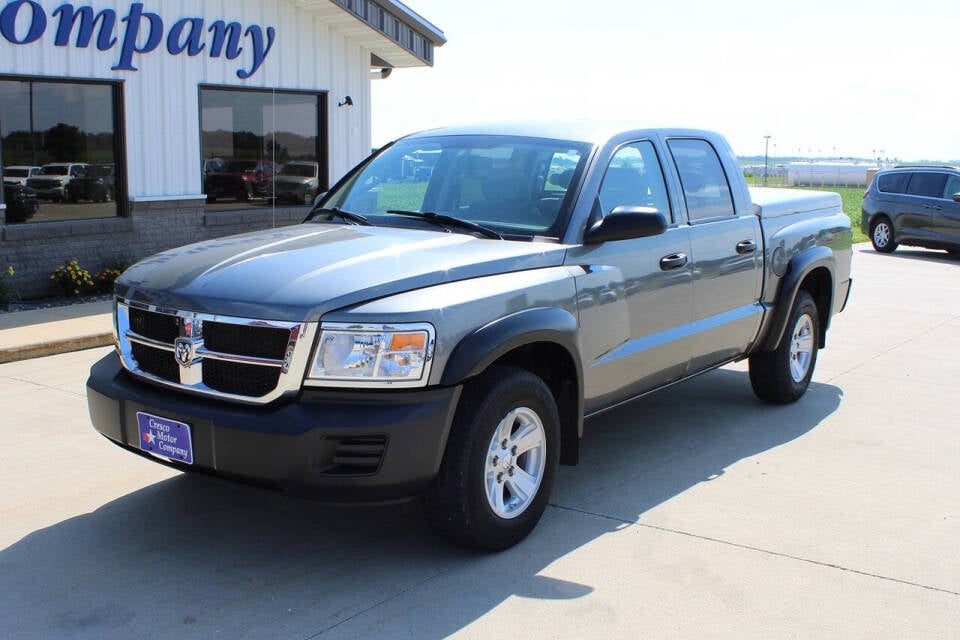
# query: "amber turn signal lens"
(409, 341)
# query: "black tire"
(456, 505)
(783, 375)
(881, 235)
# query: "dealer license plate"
(165, 438)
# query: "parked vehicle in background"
(915, 206)
(446, 333)
(52, 180)
(240, 179)
(298, 181)
(213, 165)
(19, 173)
(98, 184)
(21, 202)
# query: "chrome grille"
(239, 359)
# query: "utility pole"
(766, 158)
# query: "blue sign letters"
(139, 32)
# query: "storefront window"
(261, 148)
(59, 150)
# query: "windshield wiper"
(337, 212)
(449, 221)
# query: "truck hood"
(299, 273)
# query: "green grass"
(852, 197)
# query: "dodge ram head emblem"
(184, 351)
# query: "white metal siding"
(161, 99)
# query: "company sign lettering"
(139, 32)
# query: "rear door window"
(705, 187)
(926, 184)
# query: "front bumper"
(51, 193)
(296, 446)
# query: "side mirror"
(624, 223)
(956, 197)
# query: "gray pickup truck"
(451, 312)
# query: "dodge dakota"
(454, 309)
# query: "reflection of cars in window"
(97, 185)
(18, 174)
(21, 201)
(916, 206)
(240, 179)
(298, 181)
(50, 183)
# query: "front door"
(634, 296)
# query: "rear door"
(727, 249)
(924, 193)
(946, 213)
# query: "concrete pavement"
(695, 512)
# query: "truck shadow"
(193, 557)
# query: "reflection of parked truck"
(52, 180)
(450, 341)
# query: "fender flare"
(480, 349)
(797, 270)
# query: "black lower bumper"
(332, 445)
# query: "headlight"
(372, 355)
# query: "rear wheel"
(881, 235)
(781, 376)
(500, 462)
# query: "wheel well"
(819, 285)
(556, 367)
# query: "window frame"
(323, 137)
(120, 200)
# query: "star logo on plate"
(149, 437)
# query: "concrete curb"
(53, 347)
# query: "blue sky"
(822, 78)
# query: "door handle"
(746, 246)
(673, 261)
(935, 207)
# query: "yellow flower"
(10, 270)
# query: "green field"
(852, 198)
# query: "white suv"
(18, 174)
(51, 182)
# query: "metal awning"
(393, 32)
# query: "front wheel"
(881, 235)
(781, 376)
(500, 462)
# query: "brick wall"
(36, 249)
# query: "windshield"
(514, 185)
(16, 173)
(301, 170)
(54, 170)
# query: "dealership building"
(132, 127)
